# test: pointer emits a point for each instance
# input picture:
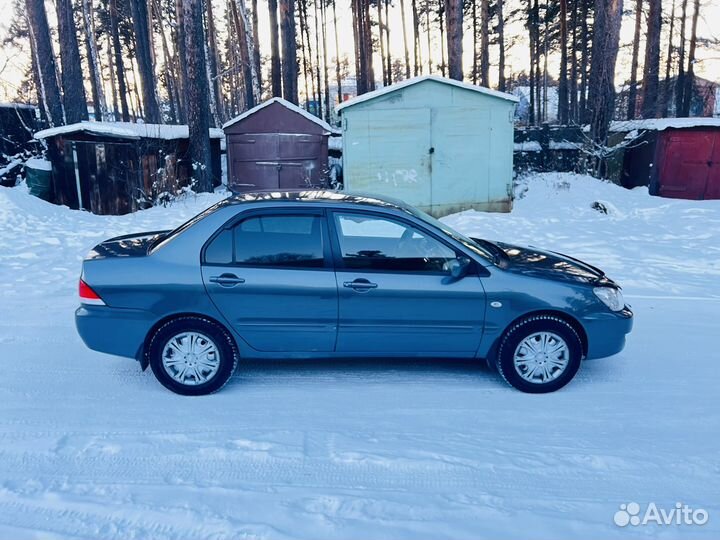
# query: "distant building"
(119, 167)
(705, 100)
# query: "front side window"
(379, 243)
(292, 241)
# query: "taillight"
(88, 296)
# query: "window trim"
(273, 212)
(337, 252)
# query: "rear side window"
(290, 241)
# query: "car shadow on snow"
(375, 370)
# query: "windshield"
(452, 233)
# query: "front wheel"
(192, 356)
(539, 354)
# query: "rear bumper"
(606, 332)
(115, 331)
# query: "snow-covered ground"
(90, 447)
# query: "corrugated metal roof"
(299, 110)
(415, 80)
(126, 130)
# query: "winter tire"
(192, 356)
(539, 354)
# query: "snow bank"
(650, 244)
(659, 124)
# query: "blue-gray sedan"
(332, 274)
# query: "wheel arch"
(142, 354)
(565, 317)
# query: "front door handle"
(360, 284)
(227, 280)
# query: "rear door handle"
(360, 284)
(227, 280)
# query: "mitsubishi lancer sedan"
(325, 274)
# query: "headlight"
(611, 297)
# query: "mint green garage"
(437, 144)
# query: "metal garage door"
(686, 165)
(393, 157)
(274, 161)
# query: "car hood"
(532, 261)
(129, 245)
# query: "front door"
(271, 277)
(394, 295)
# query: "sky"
(13, 62)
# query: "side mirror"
(457, 269)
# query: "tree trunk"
(428, 35)
(119, 64)
(476, 55)
(113, 84)
(606, 37)
(93, 59)
(442, 16)
(533, 78)
(213, 62)
(289, 56)
(563, 110)
(246, 62)
(275, 68)
(48, 90)
(326, 76)
(417, 52)
(382, 42)
(198, 115)
(689, 82)
(454, 21)
(145, 62)
(651, 69)
(317, 58)
(181, 63)
(406, 49)
(387, 42)
(632, 90)
(247, 35)
(680, 81)
(484, 43)
(338, 74)
(72, 75)
(501, 46)
(668, 66)
(256, 45)
(583, 113)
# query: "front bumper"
(117, 331)
(606, 332)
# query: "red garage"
(675, 157)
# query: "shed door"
(460, 171)
(391, 158)
(684, 167)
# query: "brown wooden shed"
(277, 145)
(119, 167)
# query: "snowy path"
(90, 447)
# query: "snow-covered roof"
(659, 124)
(299, 110)
(415, 80)
(126, 130)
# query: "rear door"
(270, 274)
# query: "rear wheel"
(539, 354)
(192, 356)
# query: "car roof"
(318, 196)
